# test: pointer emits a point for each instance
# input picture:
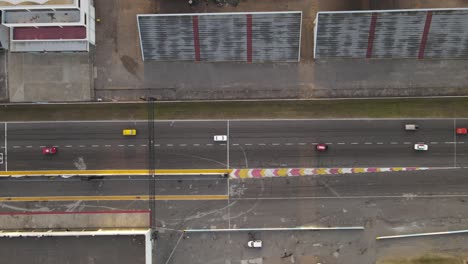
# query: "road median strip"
(112, 172)
(114, 198)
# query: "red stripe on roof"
(249, 38)
(196, 38)
(33, 33)
(370, 40)
(427, 26)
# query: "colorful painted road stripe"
(265, 173)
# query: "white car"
(421, 147)
(220, 138)
(254, 244)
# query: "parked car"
(49, 150)
(129, 132)
(321, 147)
(421, 147)
(461, 130)
(220, 138)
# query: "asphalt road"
(255, 143)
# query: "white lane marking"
(121, 145)
(107, 146)
(182, 145)
(28, 146)
(393, 143)
(169, 145)
(461, 142)
(6, 148)
(222, 144)
(130, 145)
(209, 144)
(42, 146)
(450, 142)
(81, 146)
(354, 143)
(314, 143)
(368, 143)
(379, 143)
(235, 144)
(94, 146)
(68, 146)
(289, 144)
(143, 145)
(434, 142)
(329, 143)
(406, 143)
(275, 144)
(157, 145)
(341, 143)
(247, 144)
(16, 146)
(196, 145)
(302, 144)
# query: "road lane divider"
(291, 172)
(115, 198)
(70, 173)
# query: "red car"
(321, 147)
(49, 150)
(462, 131)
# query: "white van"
(411, 127)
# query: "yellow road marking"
(114, 198)
(111, 172)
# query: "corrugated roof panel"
(251, 37)
(276, 37)
(398, 35)
(342, 35)
(167, 37)
(222, 38)
(448, 35)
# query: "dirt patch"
(427, 259)
(129, 64)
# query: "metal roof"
(428, 33)
(211, 37)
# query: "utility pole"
(151, 103)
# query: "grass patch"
(375, 108)
(427, 259)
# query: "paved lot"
(122, 75)
(3, 76)
(384, 203)
(49, 77)
(74, 250)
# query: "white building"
(42, 25)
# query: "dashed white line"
(406, 143)
(449, 142)
(393, 143)
(29, 146)
(302, 144)
(130, 145)
(247, 144)
(379, 143)
(235, 144)
(196, 145)
(368, 143)
(107, 146)
(157, 145)
(209, 144)
(94, 146)
(81, 146)
(68, 146)
(275, 144)
(289, 144)
(354, 143)
(341, 143)
(169, 145)
(329, 143)
(121, 145)
(143, 145)
(16, 146)
(182, 145)
(434, 142)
